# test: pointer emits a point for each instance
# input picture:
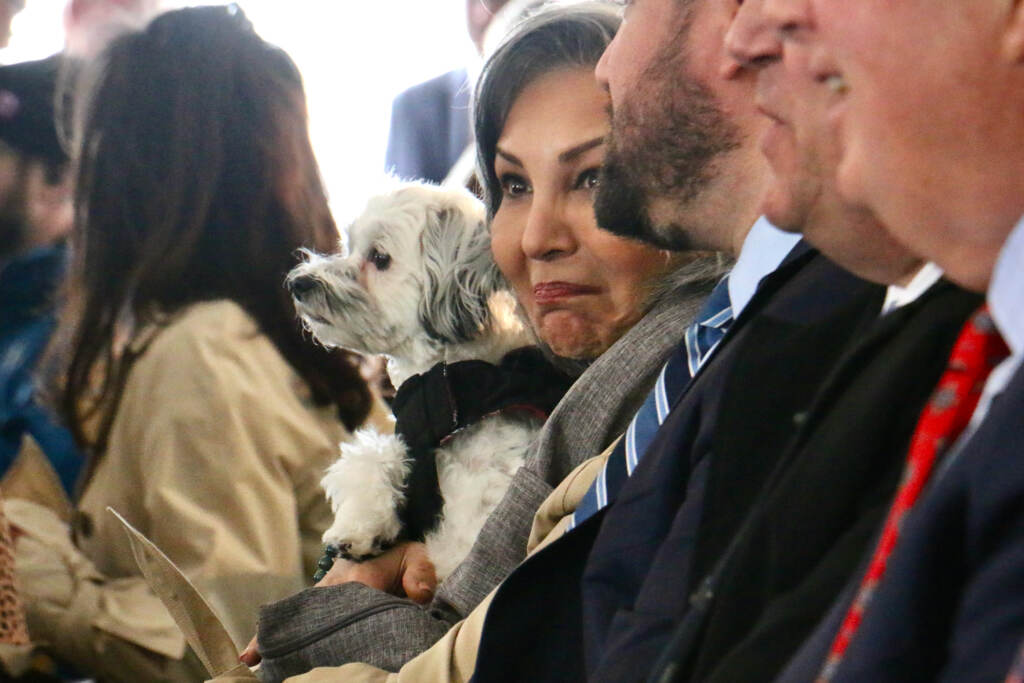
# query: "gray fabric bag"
(345, 623)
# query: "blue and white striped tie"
(699, 342)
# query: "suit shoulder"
(444, 87)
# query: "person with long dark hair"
(207, 416)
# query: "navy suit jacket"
(535, 626)
(951, 606)
(819, 513)
(640, 573)
(430, 127)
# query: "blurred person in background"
(206, 414)
(89, 25)
(430, 122)
(8, 10)
(35, 218)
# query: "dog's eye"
(379, 259)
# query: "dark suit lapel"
(797, 258)
(676, 431)
(517, 645)
(877, 333)
(808, 336)
(820, 506)
(736, 479)
(774, 312)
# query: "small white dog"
(419, 286)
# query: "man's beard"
(662, 146)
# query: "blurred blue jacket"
(28, 287)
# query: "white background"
(355, 56)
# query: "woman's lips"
(552, 292)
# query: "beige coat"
(453, 658)
(215, 453)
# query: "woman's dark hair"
(196, 182)
(553, 38)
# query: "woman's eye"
(514, 186)
(588, 180)
(379, 259)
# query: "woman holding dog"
(208, 416)
(597, 300)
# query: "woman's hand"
(404, 570)
(251, 654)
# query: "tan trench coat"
(215, 453)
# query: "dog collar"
(432, 407)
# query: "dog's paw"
(365, 488)
(359, 532)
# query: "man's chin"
(781, 213)
(672, 238)
(622, 212)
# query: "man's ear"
(1013, 36)
(460, 275)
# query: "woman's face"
(581, 287)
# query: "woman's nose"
(549, 232)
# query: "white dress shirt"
(897, 296)
(764, 250)
(1006, 303)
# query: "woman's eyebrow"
(511, 158)
(573, 152)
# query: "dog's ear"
(460, 274)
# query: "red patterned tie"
(977, 351)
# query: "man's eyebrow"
(511, 158)
(572, 153)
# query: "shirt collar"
(897, 296)
(763, 251)
(1006, 291)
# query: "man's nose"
(751, 39)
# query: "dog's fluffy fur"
(419, 286)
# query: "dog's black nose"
(302, 284)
